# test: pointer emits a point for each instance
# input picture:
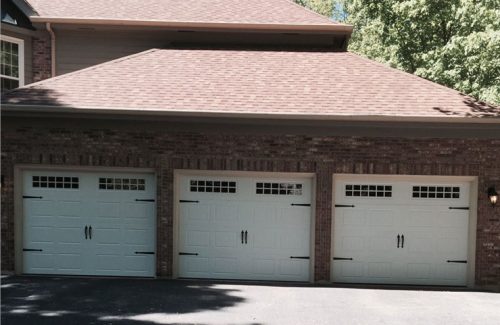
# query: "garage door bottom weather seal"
(344, 205)
(301, 204)
(190, 254)
(458, 208)
(300, 257)
(32, 197)
(342, 258)
(145, 253)
(32, 250)
(456, 261)
(188, 201)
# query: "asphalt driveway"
(58, 300)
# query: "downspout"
(52, 50)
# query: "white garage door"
(84, 223)
(400, 231)
(244, 228)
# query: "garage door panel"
(225, 265)
(267, 239)
(380, 217)
(195, 266)
(379, 270)
(136, 236)
(108, 262)
(226, 217)
(418, 210)
(296, 217)
(108, 210)
(69, 262)
(197, 239)
(228, 239)
(452, 272)
(380, 242)
(348, 270)
(263, 266)
(423, 244)
(264, 216)
(68, 235)
(352, 243)
(351, 217)
(111, 235)
(452, 246)
(288, 241)
(419, 270)
(136, 212)
(293, 268)
(40, 208)
(454, 219)
(198, 214)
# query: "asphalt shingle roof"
(251, 82)
(213, 11)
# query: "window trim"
(20, 44)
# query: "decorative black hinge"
(300, 257)
(457, 261)
(191, 254)
(144, 200)
(188, 201)
(145, 253)
(32, 197)
(342, 258)
(458, 208)
(301, 204)
(344, 205)
(32, 250)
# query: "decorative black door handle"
(402, 241)
(246, 237)
(86, 228)
(242, 234)
(90, 232)
(398, 240)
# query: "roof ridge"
(41, 82)
(414, 76)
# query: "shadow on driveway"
(63, 300)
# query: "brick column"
(41, 58)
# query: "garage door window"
(127, 184)
(55, 182)
(212, 186)
(436, 192)
(279, 188)
(368, 190)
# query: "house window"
(12, 63)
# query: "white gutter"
(52, 50)
(339, 28)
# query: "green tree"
(453, 42)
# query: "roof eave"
(97, 111)
(325, 28)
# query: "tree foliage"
(453, 42)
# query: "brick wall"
(165, 151)
(41, 64)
